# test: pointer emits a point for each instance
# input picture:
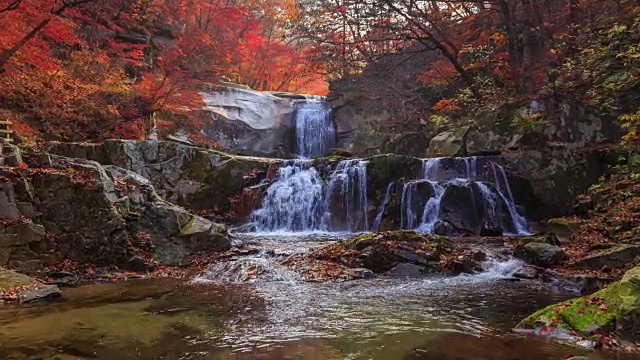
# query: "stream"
(250, 307)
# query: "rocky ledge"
(63, 219)
(396, 253)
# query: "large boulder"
(449, 143)
(484, 143)
(254, 123)
(541, 254)
(617, 258)
(615, 308)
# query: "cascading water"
(383, 206)
(488, 192)
(315, 131)
(300, 200)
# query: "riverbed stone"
(541, 254)
(42, 293)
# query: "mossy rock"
(564, 229)
(11, 279)
(540, 239)
(362, 241)
(616, 307)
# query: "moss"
(10, 279)
(184, 228)
(533, 239)
(381, 168)
(362, 241)
(581, 314)
(593, 313)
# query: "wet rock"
(617, 258)
(527, 272)
(541, 254)
(615, 308)
(491, 230)
(251, 122)
(19, 287)
(406, 270)
(362, 273)
(581, 283)
(42, 293)
(462, 264)
(65, 278)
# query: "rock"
(26, 288)
(491, 230)
(527, 272)
(381, 252)
(462, 264)
(27, 233)
(540, 254)
(449, 143)
(129, 227)
(564, 229)
(406, 270)
(8, 208)
(362, 273)
(42, 293)
(250, 122)
(188, 176)
(26, 209)
(615, 308)
(550, 180)
(617, 258)
(12, 155)
(542, 239)
(581, 283)
(65, 278)
(484, 143)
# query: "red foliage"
(95, 69)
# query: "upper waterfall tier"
(315, 132)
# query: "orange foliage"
(101, 69)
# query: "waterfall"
(478, 190)
(294, 201)
(314, 128)
(383, 206)
(301, 200)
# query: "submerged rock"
(615, 308)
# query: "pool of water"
(224, 315)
